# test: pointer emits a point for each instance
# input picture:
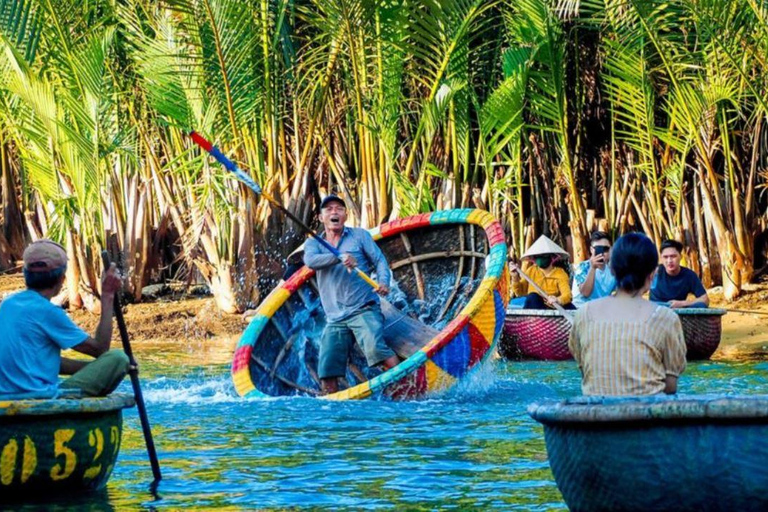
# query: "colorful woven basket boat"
(543, 334)
(60, 445)
(450, 269)
(665, 453)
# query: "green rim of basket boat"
(65, 405)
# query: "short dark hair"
(669, 243)
(633, 258)
(599, 235)
(43, 280)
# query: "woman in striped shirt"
(626, 345)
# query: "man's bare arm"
(670, 384)
(71, 366)
(102, 339)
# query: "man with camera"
(593, 278)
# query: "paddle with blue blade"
(228, 164)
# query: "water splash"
(168, 391)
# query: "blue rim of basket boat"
(556, 313)
(652, 409)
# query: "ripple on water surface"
(474, 448)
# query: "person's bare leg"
(390, 362)
(329, 385)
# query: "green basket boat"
(59, 445)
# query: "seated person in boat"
(351, 306)
(624, 344)
(544, 272)
(593, 279)
(35, 331)
(674, 283)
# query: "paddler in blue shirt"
(351, 305)
(34, 331)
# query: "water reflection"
(475, 448)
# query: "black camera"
(601, 249)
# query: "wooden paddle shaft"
(133, 372)
(538, 290)
(403, 334)
(244, 178)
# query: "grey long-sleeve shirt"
(343, 293)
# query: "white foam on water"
(171, 391)
(480, 381)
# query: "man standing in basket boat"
(593, 279)
(552, 279)
(673, 282)
(352, 308)
(624, 344)
(35, 331)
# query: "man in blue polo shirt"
(352, 308)
(674, 283)
(593, 279)
(35, 331)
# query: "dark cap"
(328, 199)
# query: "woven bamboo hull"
(542, 335)
(60, 445)
(538, 335)
(658, 453)
(451, 264)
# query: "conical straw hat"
(544, 245)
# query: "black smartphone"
(601, 249)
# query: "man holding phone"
(593, 278)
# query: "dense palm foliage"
(558, 116)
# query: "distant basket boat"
(451, 269)
(60, 445)
(661, 453)
(543, 334)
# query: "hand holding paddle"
(133, 371)
(243, 177)
(567, 315)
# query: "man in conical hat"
(539, 265)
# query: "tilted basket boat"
(543, 334)
(59, 445)
(450, 270)
(661, 453)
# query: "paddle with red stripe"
(232, 167)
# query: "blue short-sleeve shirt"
(666, 287)
(605, 283)
(33, 332)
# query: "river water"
(475, 448)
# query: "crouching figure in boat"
(544, 274)
(48, 441)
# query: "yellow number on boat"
(95, 438)
(8, 460)
(114, 438)
(29, 462)
(60, 437)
